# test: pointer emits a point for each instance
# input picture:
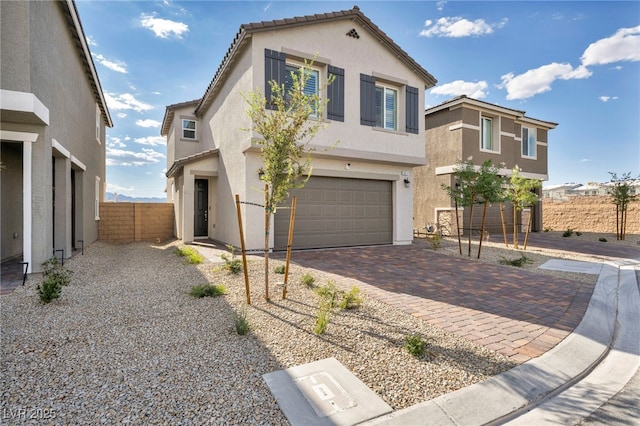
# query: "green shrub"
(328, 301)
(415, 345)
(55, 270)
(352, 299)
(240, 321)
(308, 280)
(521, 261)
(190, 254)
(322, 319)
(435, 240)
(578, 233)
(49, 290)
(280, 269)
(232, 264)
(548, 229)
(206, 290)
(568, 232)
(602, 239)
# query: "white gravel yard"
(126, 343)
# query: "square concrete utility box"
(324, 393)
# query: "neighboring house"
(360, 191)
(463, 128)
(559, 192)
(52, 131)
(591, 188)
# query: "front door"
(201, 208)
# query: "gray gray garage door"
(338, 212)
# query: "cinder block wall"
(587, 214)
(128, 222)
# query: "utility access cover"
(324, 393)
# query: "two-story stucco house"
(361, 189)
(52, 132)
(463, 128)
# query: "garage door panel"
(338, 212)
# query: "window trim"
(523, 142)
(183, 129)
(98, 124)
(97, 198)
(312, 69)
(396, 90)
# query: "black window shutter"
(335, 93)
(274, 69)
(412, 111)
(367, 100)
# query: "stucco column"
(187, 207)
(62, 202)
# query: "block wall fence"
(130, 222)
(587, 214)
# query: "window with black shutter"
(335, 93)
(367, 100)
(274, 69)
(412, 112)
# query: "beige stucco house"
(52, 130)
(361, 189)
(463, 128)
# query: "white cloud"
(460, 27)
(121, 157)
(539, 80)
(440, 5)
(148, 123)
(163, 28)
(624, 45)
(584, 160)
(125, 101)
(116, 142)
(460, 87)
(121, 115)
(118, 66)
(118, 189)
(151, 140)
(608, 98)
(91, 41)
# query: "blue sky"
(573, 63)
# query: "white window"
(98, 122)
(386, 108)
(528, 142)
(487, 134)
(188, 129)
(312, 84)
(97, 195)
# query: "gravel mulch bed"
(127, 344)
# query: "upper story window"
(188, 129)
(312, 83)
(386, 108)
(489, 139)
(98, 122)
(528, 142)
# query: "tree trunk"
(292, 219)
(267, 217)
(515, 227)
(526, 235)
(470, 224)
(504, 225)
(244, 251)
(458, 228)
(484, 215)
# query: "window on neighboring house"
(97, 199)
(528, 142)
(98, 122)
(188, 129)
(489, 134)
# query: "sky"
(575, 63)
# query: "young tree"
(621, 196)
(286, 132)
(475, 186)
(522, 192)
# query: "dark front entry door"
(201, 208)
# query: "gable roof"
(247, 30)
(70, 13)
(465, 100)
(170, 111)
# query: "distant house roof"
(464, 99)
(247, 30)
(77, 33)
(170, 111)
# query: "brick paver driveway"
(519, 313)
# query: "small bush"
(55, 270)
(206, 290)
(190, 254)
(49, 290)
(352, 299)
(322, 319)
(279, 269)
(415, 345)
(548, 229)
(520, 262)
(435, 240)
(578, 233)
(602, 239)
(232, 264)
(240, 321)
(326, 305)
(308, 280)
(568, 232)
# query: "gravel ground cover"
(127, 344)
